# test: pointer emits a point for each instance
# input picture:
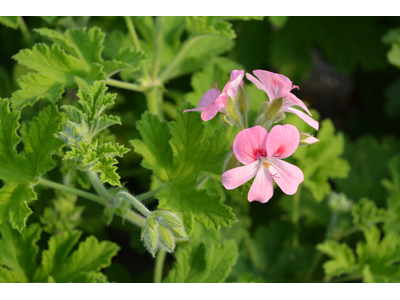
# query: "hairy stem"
(159, 266)
(130, 215)
(124, 85)
(154, 102)
(157, 47)
(68, 189)
(99, 187)
(136, 43)
(136, 203)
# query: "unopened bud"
(241, 100)
(273, 108)
(232, 110)
(339, 202)
(179, 233)
(149, 235)
(167, 218)
(307, 139)
(166, 239)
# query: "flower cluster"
(261, 152)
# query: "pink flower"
(214, 101)
(262, 154)
(277, 86)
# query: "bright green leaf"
(196, 263)
(18, 252)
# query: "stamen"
(266, 165)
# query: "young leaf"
(18, 252)
(343, 258)
(196, 263)
(366, 214)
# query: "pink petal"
(209, 97)
(262, 188)
(250, 144)
(289, 99)
(209, 112)
(193, 109)
(310, 121)
(236, 73)
(287, 176)
(282, 141)
(309, 140)
(232, 86)
(274, 83)
(256, 82)
(235, 177)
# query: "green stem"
(157, 47)
(134, 218)
(130, 215)
(136, 203)
(124, 85)
(99, 187)
(296, 214)
(148, 194)
(154, 102)
(159, 266)
(24, 30)
(347, 233)
(168, 70)
(68, 189)
(136, 43)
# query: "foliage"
(64, 81)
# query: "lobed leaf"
(196, 263)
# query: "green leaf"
(366, 171)
(196, 52)
(126, 57)
(14, 167)
(320, 162)
(393, 200)
(13, 204)
(196, 263)
(343, 258)
(10, 21)
(84, 45)
(278, 21)
(105, 166)
(155, 148)
(366, 214)
(191, 155)
(62, 214)
(381, 256)
(52, 61)
(394, 54)
(18, 252)
(40, 142)
(181, 196)
(35, 87)
(63, 266)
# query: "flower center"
(265, 162)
